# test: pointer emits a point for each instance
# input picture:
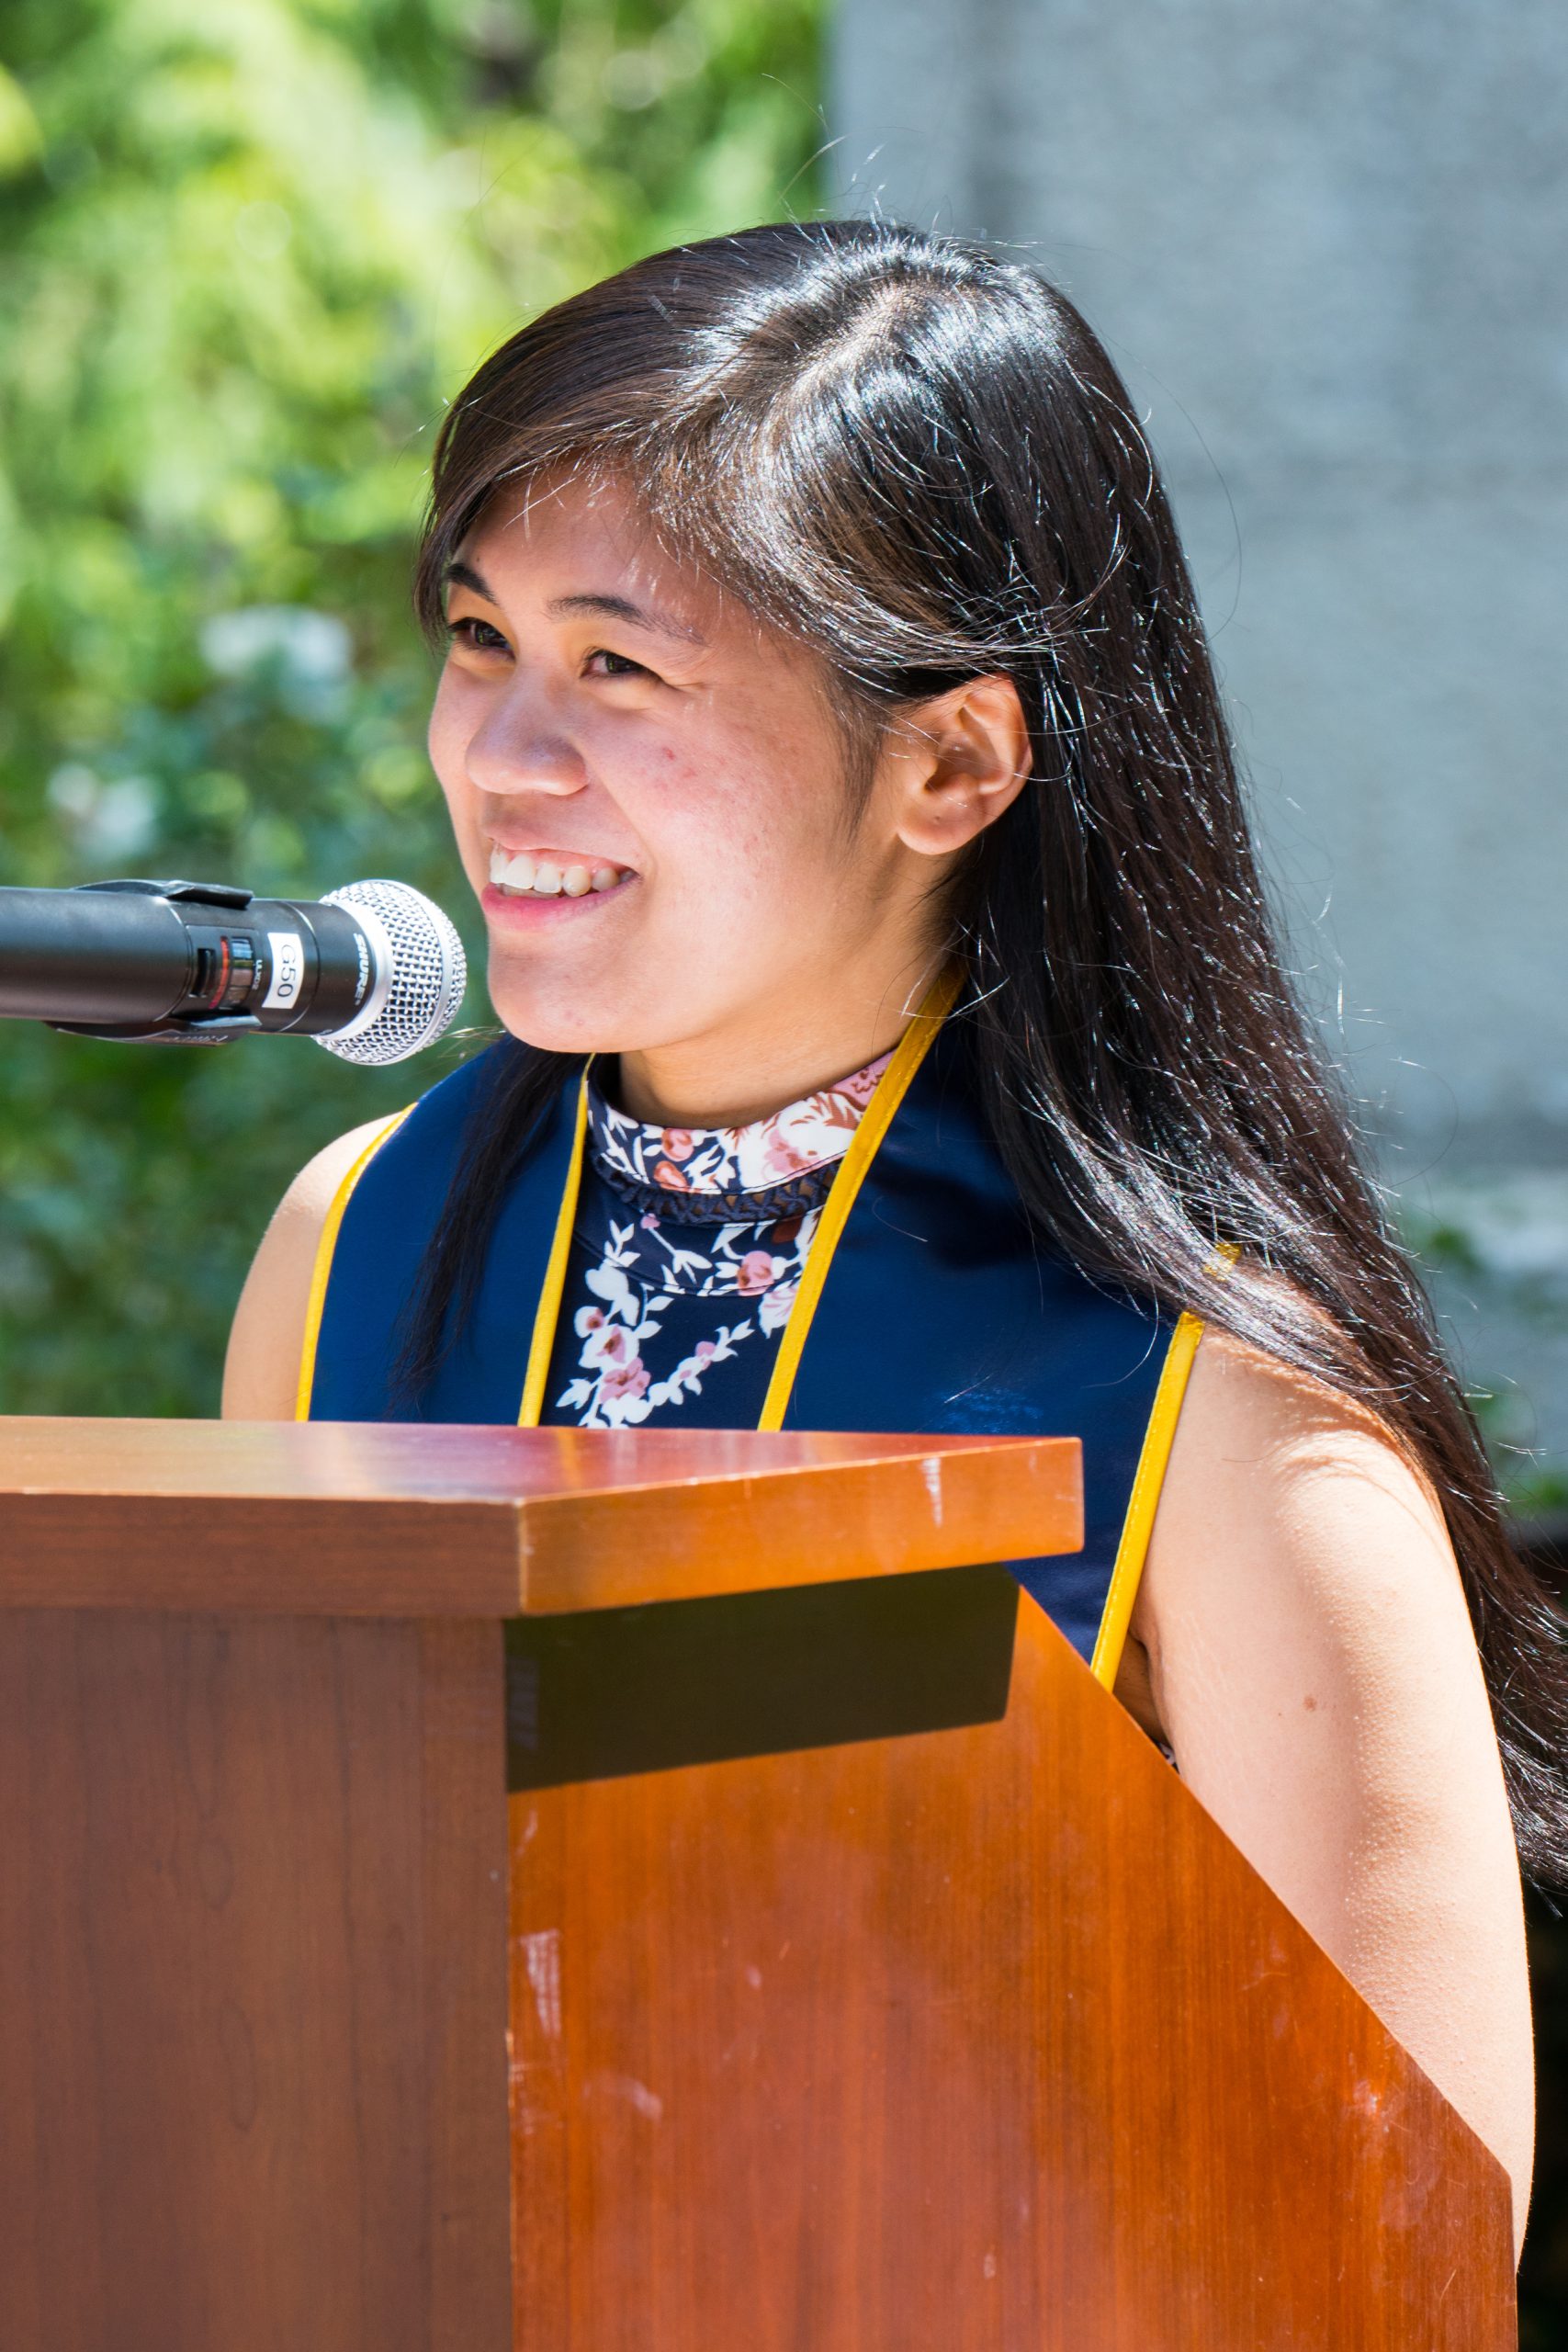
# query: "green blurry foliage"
(245, 252)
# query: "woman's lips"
(525, 910)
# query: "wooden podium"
(472, 1888)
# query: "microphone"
(373, 972)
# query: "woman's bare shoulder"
(261, 1371)
(1266, 1461)
(1238, 1389)
(1285, 1502)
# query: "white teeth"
(520, 876)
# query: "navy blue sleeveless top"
(943, 1309)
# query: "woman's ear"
(956, 763)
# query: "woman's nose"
(511, 751)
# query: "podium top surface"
(366, 1519)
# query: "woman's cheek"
(732, 871)
(445, 743)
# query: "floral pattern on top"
(718, 1171)
(687, 1256)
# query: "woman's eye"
(477, 636)
(617, 665)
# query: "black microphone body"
(373, 973)
(131, 957)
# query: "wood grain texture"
(968, 2032)
(351, 1519)
(251, 1985)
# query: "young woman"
(897, 1040)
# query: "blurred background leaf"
(247, 252)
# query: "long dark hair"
(916, 456)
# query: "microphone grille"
(414, 997)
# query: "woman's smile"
(552, 873)
(556, 893)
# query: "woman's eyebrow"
(459, 574)
(621, 608)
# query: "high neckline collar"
(717, 1164)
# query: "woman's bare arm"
(261, 1375)
(1311, 1666)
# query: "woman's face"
(649, 795)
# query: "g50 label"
(288, 951)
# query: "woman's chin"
(532, 1027)
(536, 1018)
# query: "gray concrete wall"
(1326, 247)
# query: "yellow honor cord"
(1148, 1485)
(1138, 1526)
(320, 1273)
(549, 1315)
